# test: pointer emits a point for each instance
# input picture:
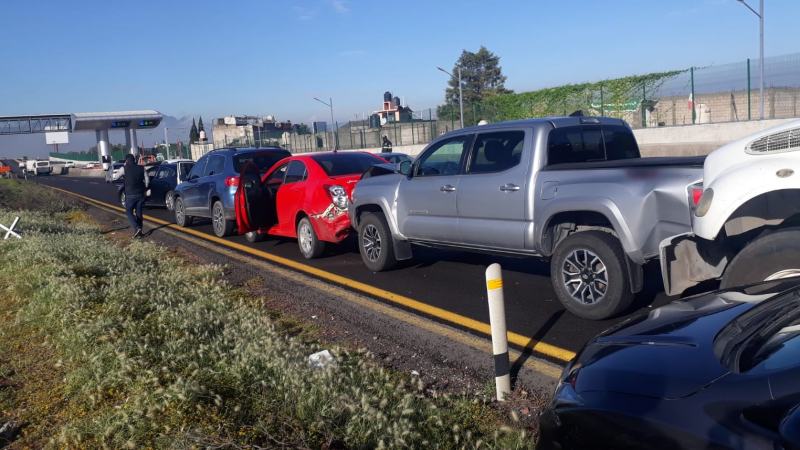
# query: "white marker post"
(10, 230)
(497, 321)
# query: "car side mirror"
(405, 168)
(790, 429)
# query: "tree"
(200, 125)
(194, 134)
(482, 78)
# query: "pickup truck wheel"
(310, 245)
(375, 243)
(181, 218)
(588, 274)
(770, 257)
(221, 226)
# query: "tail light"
(695, 193)
(232, 181)
(338, 196)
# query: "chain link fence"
(697, 95)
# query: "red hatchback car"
(303, 196)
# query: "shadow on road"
(537, 336)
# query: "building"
(244, 131)
(393, 112)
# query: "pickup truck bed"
(655, 161)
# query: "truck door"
(254, 201)
(492, 192)
(426, 202)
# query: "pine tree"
(481, 76)
(194, 134)
(200, 125)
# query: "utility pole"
(329, 104)
(460, 93)
(760, 15)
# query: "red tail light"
(232, 181)
(695, 192)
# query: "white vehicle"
(746, 218)
(115, 172)
(38, 167)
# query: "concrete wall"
(689, 140)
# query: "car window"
(166, 173)
(338, 164)
(296, 171)
(620, 143)
(496, 152)
(264, 160)
(575, 144)
(277, 176)
(215, 166)
(197, 170)
(185, 169)
(444, 158)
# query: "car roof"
(238, 150)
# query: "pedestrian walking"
(386, 146)
(135, 185)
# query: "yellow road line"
(540, 347)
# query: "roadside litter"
(321, 360)
(10, 230)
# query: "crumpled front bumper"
(688, 260)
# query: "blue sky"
(214, 58)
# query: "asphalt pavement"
(450, 280)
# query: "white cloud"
(340, 6)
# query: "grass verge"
(109, 346)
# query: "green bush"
(165, 354)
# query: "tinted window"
(184, 169)
(620, 143)
(295, 172)
(337, 164)
(444, 158)
(166, 172)
(575, 144)
(197, 170)
(215, 166)
(264, 160)
(496, 152)
(276, 177)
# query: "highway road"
(451, 281)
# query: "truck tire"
(222, 227)
(308, 242)
(769, 257)
(181, 218)
(588, 274)
(375, 242)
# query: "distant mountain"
(33, 145)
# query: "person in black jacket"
(135, 189)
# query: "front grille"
(785, 141)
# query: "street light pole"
(460, 93)
(330, 105)
(760, 15)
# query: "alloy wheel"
(218, 217)
(305, 237)
(585, 277)
(371, 241)
(170, 202)
(179, 213)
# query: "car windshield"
(338, 164)
(263, 160)
(755, 335)
(42, 163)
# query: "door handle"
(509, 187)
(447, 188)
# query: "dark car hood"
(666, 353)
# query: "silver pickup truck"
(571, 189)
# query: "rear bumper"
(332, 225)
(687, 260)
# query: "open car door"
(254, 202)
